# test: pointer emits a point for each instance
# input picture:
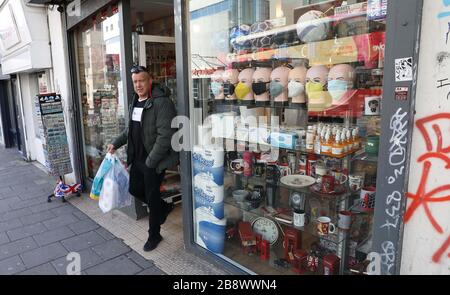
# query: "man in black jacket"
(149, 152)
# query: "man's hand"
(110, 149)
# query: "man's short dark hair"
(139, 69)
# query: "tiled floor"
(169, 256)
(36, 237)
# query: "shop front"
(300, 113)
(26, 58)
(106, 39)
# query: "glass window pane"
(101, 85)
(287, 99)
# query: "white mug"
(300, 218)
(345, 220)
(324, 226)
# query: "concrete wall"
(426, 243)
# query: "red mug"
(327, 185)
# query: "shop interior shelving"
(337, 50)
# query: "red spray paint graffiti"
(422, 197)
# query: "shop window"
(101, 85)
(285, 158)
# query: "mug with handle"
(324, 226)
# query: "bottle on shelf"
(338, 148)
(344, 141)
(310, 136)
(318, 141)
(349, 141)
(327, 143)
(356, 139)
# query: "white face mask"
(295, 88)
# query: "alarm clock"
(267, 228)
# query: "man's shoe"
(152, 243)
(168, 209)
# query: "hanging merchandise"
(53, 133)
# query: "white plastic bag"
(114, 194)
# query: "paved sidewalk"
(36, 236)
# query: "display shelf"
(234, 251)
(358, 209)
(263, 211)
(363, 156)
(328, 52)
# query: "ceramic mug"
(300, 218)
(325, 227)
(356, 182)
(327, 184)
(339, 177)
(285, 170)
(367, 197)
(237, 166)
(345, 220)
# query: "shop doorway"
(157, 53)
(16, 129)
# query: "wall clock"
(267, 228)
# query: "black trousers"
(145, 185)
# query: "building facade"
(258, 79)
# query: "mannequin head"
(230, 80)
(316, 82)
(297, 82)
(340, 79)
(261, 81)
(217, 84)
(244, 88)
(279, 83)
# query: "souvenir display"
(302, 89)
(297, 85)
(261, 85)
(279, 85)
(52, 127)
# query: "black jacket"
(157, 133)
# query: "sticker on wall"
(401, 93)
(404, 69)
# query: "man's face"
(142, 82)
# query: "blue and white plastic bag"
(114, 194)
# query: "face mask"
(312, 87)
(228, 89)
(242, 90)
(337, 89)
(295, 88)
(260, 88)
(216, 88)
(276, 89)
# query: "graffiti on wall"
(444, 15)
(425, 196)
